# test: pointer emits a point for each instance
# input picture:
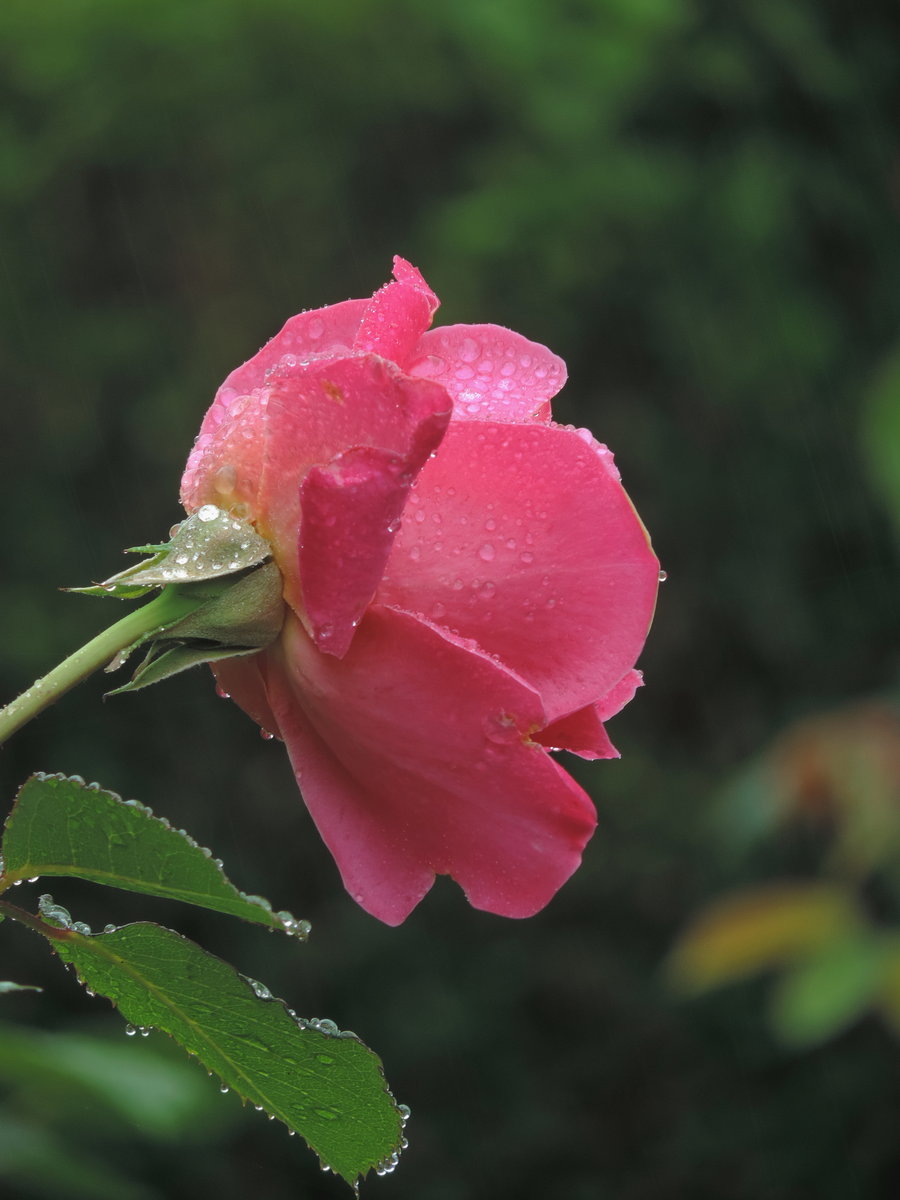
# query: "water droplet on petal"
(225, 479)
(487, 552)
(208, 512)
(663, 576)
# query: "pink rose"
(467, 585)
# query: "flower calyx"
(221, 596)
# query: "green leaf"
(62, 826)
(827, 991)
(325, 1085)
(7, 985)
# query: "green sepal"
(236, 616)
(209, 544)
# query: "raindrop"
(266, 735)
(487, 552)
(130, 1031)
(223, 481)
(663, 576)
(224, 1088)
(208, 512)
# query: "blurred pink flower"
(467, 584)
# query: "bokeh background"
(694, 202)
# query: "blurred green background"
(694, 202)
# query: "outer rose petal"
(413, 756)
(582, 732)
(623, 693)
(314, 415)
(521, 537)
(244, 680)
(330, 330)
(351, 510)
(491, 372)
(225, 464)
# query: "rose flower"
(467, 585)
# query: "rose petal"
(620, 695)
(330, 330)
(318, 412)
(581, 733)
(243, 681)
(351, 511)
(491, 372)
(521, 537)
(225, 464)
(414, 758)
(397, 315)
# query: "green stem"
(167, 608)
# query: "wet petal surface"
(491, 372)
(414, 757)
(521, 537)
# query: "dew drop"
(207, 513)
(224, 480)
(487, 552)
(130, 1031)
(663, 576)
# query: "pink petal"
(414, 757)
(581, 733)
(315, 414)
(397, 315)
(330, 330)
(351, 510)
(521, 537)
(243, 680)
(225, 464)
(620, 695)
(491, 372)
